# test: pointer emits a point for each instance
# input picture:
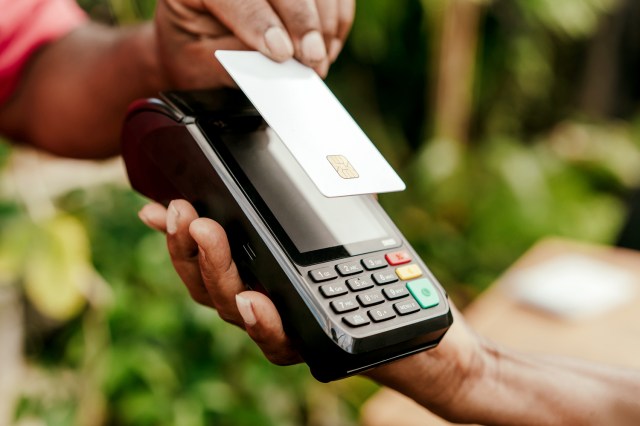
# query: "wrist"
(460, 391)
(152, 72)
(449, 380)
(470, 385)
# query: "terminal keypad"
(376, 289)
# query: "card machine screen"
(314, 224)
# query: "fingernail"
(278, 43)
(144, 218)
(246, 310)
(334, 49)
(312, 45)
(172, 219)
(323, 69)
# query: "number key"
(349, 268)
(333, 290)
(323, 274)
(371, 263)
(384, 277)
(397, 292)
(381, 314)
(370, 299)
(344, 305)
(357, 284)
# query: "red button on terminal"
(397, 258)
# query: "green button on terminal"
(423, 291)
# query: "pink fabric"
(26, 25)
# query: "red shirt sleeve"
(25, 26)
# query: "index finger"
(218, 270)
(346, 14)
(256, 24)
(302, 20)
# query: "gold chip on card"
(342, 166)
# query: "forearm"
(508, 388)
(528, 389)
(75, 91)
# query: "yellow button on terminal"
(409, 272)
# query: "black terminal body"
(351, 291)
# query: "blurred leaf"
(216, 395)
(17, 234)
(574, 18)
(57, 269)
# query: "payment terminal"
(351, 291)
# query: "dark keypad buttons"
(381, 314)
(384, 277)
(357, 284)
(344, 305)
(370, 299)
(405, 308)
(349, 268)
(333, 290)
(396, 292)
(356, 320)
(323, 274)
(371, 263)
(363, 292)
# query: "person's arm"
(75, 90)
(465, 379)
(493, 385)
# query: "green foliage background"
(536, 162)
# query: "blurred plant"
(472, 213)
(489, 169)
(138, 350)
(52, 260)
(571, 18)
(494, 150)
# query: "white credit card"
(320, 134)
